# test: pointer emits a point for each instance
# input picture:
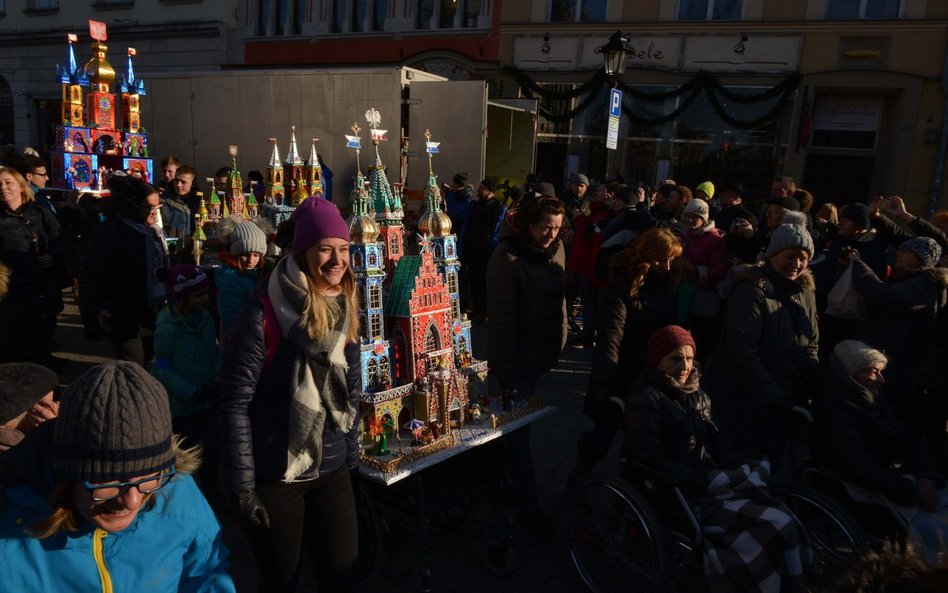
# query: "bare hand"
(105, 321)
(847, 255)
(43, 410)
(877, 204)
(639, 195)
(895, 208)
(927, 494)
(743, 227)
(45, 260)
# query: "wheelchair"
(640, 535)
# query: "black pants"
(319, 514)
(139, 349)
(477, 277)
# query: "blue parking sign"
(615, 103)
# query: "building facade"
(843, 95)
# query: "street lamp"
(615, 55)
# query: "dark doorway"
(551, 163)
(838, 179)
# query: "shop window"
(379, 14)
(846, 122)
(360, 9)
(44, 5)
(710, 10)
(425, 13)
(472, 10)
(578, 11)
(863, 9)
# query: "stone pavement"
(460, 537)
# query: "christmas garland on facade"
(701, 82)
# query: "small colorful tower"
(101, 75)
(131, 88)
(386, 203)
(72, 80)
(273, 190)
(293, 165)
(299, 194)
(235, 187)
(314, 173)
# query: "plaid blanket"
(751, 541)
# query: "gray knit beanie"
(114, 424)
(856, 356)
(925, 249)
(790, 236)
(247, 237)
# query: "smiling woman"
(113, 472)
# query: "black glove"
(251, 509)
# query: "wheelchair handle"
(804, 413)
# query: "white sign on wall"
(546, 53)
(742, 53)
(847, 115)
(646, 52)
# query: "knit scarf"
(318, 373)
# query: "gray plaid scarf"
(318, 375)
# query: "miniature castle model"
(424, 370)
(89, 141)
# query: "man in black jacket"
(480, 236)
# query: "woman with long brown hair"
(289, 408)
(641, 297)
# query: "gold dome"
(100, 73)
(436, 224)
(363, 229)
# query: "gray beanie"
(925, 249)
(790, 236)
(247, 237)
(856, 356)
(114, 424)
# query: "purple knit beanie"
(315, 220)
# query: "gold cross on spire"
(427, 140)
(355, 128)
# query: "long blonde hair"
(320, 313)
(65, 515)
(629, 268)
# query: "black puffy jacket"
(34, 290)
(254, 405)
(672, 431)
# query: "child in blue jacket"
(237, 278)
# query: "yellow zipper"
(99, 554)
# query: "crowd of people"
(710, 319)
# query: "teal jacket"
(233, 289)
(173, 547)
(186, 359)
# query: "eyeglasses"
(44, 175)
(149, 208)
(112, 490)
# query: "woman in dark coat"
(669, 429)
(289, 408)
(768, 349)
(902, 313)
(31, 250)
(526, 325)
(122, 280)
(861, 437)
(642, 296)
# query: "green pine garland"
(701, 82)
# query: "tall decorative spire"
(355, 142)
(314, 172)
(100, 73)
(71, 74)
(274, 155)
(129, 83)
(434, 222)
(293, 154)
(379, 188)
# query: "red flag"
(97, 30)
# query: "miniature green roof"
(251, 199)
(403, 283)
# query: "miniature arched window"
(375, 296)
(372, 373)
(357, 260)
(450, 249)
(432, 339)
(373, 259)
(395, 247)
(375, 326)
(439, 252)
(462, 344)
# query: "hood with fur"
(755, 273)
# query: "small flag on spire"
(432, 147)
(132, 52)
(72, 38)
(353, 142)
(379, 135)
(98, 31)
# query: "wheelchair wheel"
(616, 541)
(835, 537)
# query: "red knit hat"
(664, 340)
